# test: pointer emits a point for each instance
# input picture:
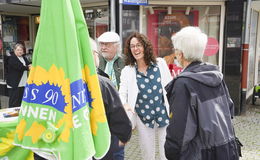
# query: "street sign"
(134, 2)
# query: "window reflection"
(97, 20)
(161, 22)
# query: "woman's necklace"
(143, 69)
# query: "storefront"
(159, 20)
(254, 49)
(19, 21)
(17, 24)
(221, 20)
(97, 17)
(15, 28)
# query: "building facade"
(224, 21)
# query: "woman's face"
(18, 51)
(137, 49)
(179, 57)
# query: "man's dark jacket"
(201, 107)
(118, 121)
(15, 70)
(118, 66)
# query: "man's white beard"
(107, 55)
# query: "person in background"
(200, 127)
(18, 67)
(111, 61)
(118, 121)
(174, 66)
(142, 92)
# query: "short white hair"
(191, 41)
(93, 44)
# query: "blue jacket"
(201, 107)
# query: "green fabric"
(62, 113)
(257, 89)
(7, 149)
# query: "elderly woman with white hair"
(200, 127)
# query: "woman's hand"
(129, 108)
(29, 66)
(120, 144)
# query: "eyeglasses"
(138, 45)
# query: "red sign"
(212, 47)
(174, 69)
(1, 44)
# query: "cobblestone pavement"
(247, 128)
(248, 131)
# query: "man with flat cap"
(111, 61)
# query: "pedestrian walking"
(200, 127)
(142, 92)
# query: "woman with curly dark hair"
(142, 92)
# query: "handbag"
(239, 145)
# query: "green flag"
(7, 150)
(62, 114)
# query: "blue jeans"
(119, 155)
(119, 151)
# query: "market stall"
(8, 122)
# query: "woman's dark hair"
(148, 49)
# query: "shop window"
(97, 20)
(14, 29)
(130, 21)
(161, 22)
(1, 53)
(252, 49)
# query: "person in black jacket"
(200, 127)
(118, 121)
(119, 124)
(18, 67)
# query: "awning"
(20, 6)
(31, 6)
